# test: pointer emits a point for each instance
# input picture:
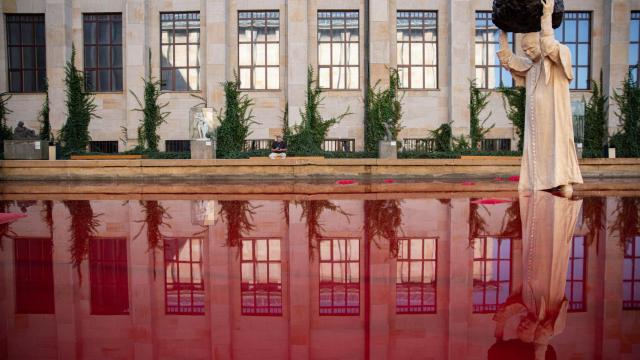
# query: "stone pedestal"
(203, 149)
(26, 150)
(387, 150)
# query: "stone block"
(203, 149)
(26, 150)
(387, 150)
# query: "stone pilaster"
(382, 23)
(58, 21)
(297, 39)
(215, 37)
(136, 61)
(221, 259)
(461, 52)
(299, 289)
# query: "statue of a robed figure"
(549, 159)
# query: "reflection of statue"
(549, 159)
(22, 132)
(538, 303)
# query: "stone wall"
(422, 109)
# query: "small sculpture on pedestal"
(22, 132)
(387, 148)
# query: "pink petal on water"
(9, 217)
(468, 183)
(514, 178)
(389, 181)
(345, 182)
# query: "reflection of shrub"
(382, 220)
(627, 219)
(311, 211)
(238, 216)
(83, 226)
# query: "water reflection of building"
(196, 296)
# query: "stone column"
(297, 38)
(382, 15)
(221, 258)
(461, 51)
(617, 18)
(299, 286)
(460, 279)
(215, 62)
(136, 62)
(58, 21)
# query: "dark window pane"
(116, 33)
(15, 81)
(103, 33)
(41, 57)
(42, 80)
(89, 33)
(167, 79)
(103, 80)
(14, 34)
(116, 56)
(116, 80)
(27, 33)
(90, 80)
(40, 36)
(181, 80)
(29, 57)
(103, 56)
(15, 58)
(29, 81)
(90, 57)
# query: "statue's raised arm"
(516, 64)
(551, 48)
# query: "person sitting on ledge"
(278, 148)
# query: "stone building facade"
(450, 45)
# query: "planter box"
(26, 149)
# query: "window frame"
(42, 267)
(331, 42)
(633, 242)
(486, 54)
(577, 305)
(278, 310)
(423, 308)
(193, 286)
(333, 309)
(96, 45)
(574, 61)
(266, 42)
(484, 307)
(173, 44)
(38, 88)
(424, 66)
(634, 69)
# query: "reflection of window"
(631, 275)
(634, 45)
(34, 276)
(103, 52)
(417, 49)
(574, 290)
(26, 52)
(259, 49)
(339, 277)
(180, 49)
(489, 73)
(575, 32)
(338, 50)
(491, 273)
(184, 285)
(261, 277)
(108, 276)
(416, 277)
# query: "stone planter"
(26, 150)
(387, 150)
(203, 149)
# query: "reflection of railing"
(339, 145)
(424, 144)
(177, 145)
(257, 144)
(496, 145)
(578, 129)
(106, 147)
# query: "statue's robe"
(549, 158)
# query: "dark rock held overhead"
(523, 16)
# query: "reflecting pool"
(343, 276)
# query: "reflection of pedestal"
(26, 150)
(203, 149)
(387, 150)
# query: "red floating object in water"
(514, 178)
(9, 217)
(490, 201)
(345, 182)
(498, 179)
(468, 183)
(389, 181)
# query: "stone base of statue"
(26, 150)
(387, 150)
(203, 149)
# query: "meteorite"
(523, 16)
